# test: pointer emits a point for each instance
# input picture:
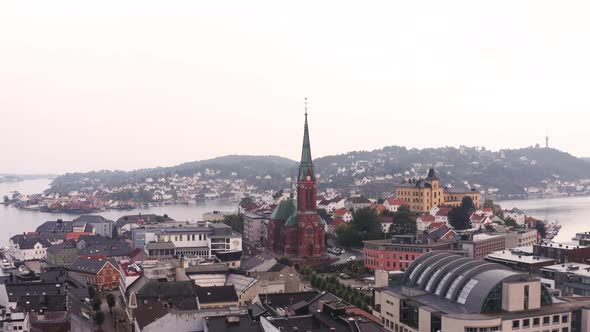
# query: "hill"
(504, 172)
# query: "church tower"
(295, 229)
(312, 230)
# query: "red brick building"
(399, 252)
(295, 229)
(98, 272)
(478, 246)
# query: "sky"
(134, 84)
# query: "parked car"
(351, 258)
(344, 276)
(342, 251)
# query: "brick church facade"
(295, 229)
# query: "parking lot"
(342, 258)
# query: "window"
(556, 319)
(515, 324)
(526, 297)
(536, 322)
(546, 320)
(526, 323)
(564, 318)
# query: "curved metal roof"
(455, 278)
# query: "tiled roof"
(89, 265)
(217, 294)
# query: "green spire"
(306, 166)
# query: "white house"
(393, 205)
(343, 214)
(424, 221)
(516, 214)
(24, 248)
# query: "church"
(295, 229)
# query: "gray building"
(255, 228)
(63, 254)
(101, 225)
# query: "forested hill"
(509, 171)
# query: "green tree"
(6, 199)
(284, 261)
(235, 222)
(404, 222)
(459, 216)
(246, 200)
(490, 228)
(510, 222)
(96, 303)
(366, 222)
(99, 318)
(91, 292)
(540, 227)
(111, 301)
(348, 236)
(488, 204)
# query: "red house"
(98, 272)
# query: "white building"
(24, 248)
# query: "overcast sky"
(124, 84)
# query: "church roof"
(306, 165)
(285, 209)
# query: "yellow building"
(423, 194)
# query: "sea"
(17, 221)
(572, 213)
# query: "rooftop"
(518, 256)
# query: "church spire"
(306, 166)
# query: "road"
(110, 322)
(358, 253)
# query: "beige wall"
(459, 324)
(513, 295)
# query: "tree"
(235, 222)
(459, 216)
(115, 232)
(404, 222)
(6, 199)
(540, 227)
(490, 228)
(488, 204)
(284, 261)
(111, 301)
(348, 236)
(91, 292)
(247, 200)
(96, 303)
(510, 222)
(99, 318)
(366, 222)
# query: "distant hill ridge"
(509, 170)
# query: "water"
(572, 213)
(15, 221)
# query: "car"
(344, 276)
(351, 258)
(336, 251)
(342, 251)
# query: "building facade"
(446, 292)
(424, 194)
(399, 252)
(26, 248)
(197, 240)
(295, 229)
(478, 246)
(255, 228)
